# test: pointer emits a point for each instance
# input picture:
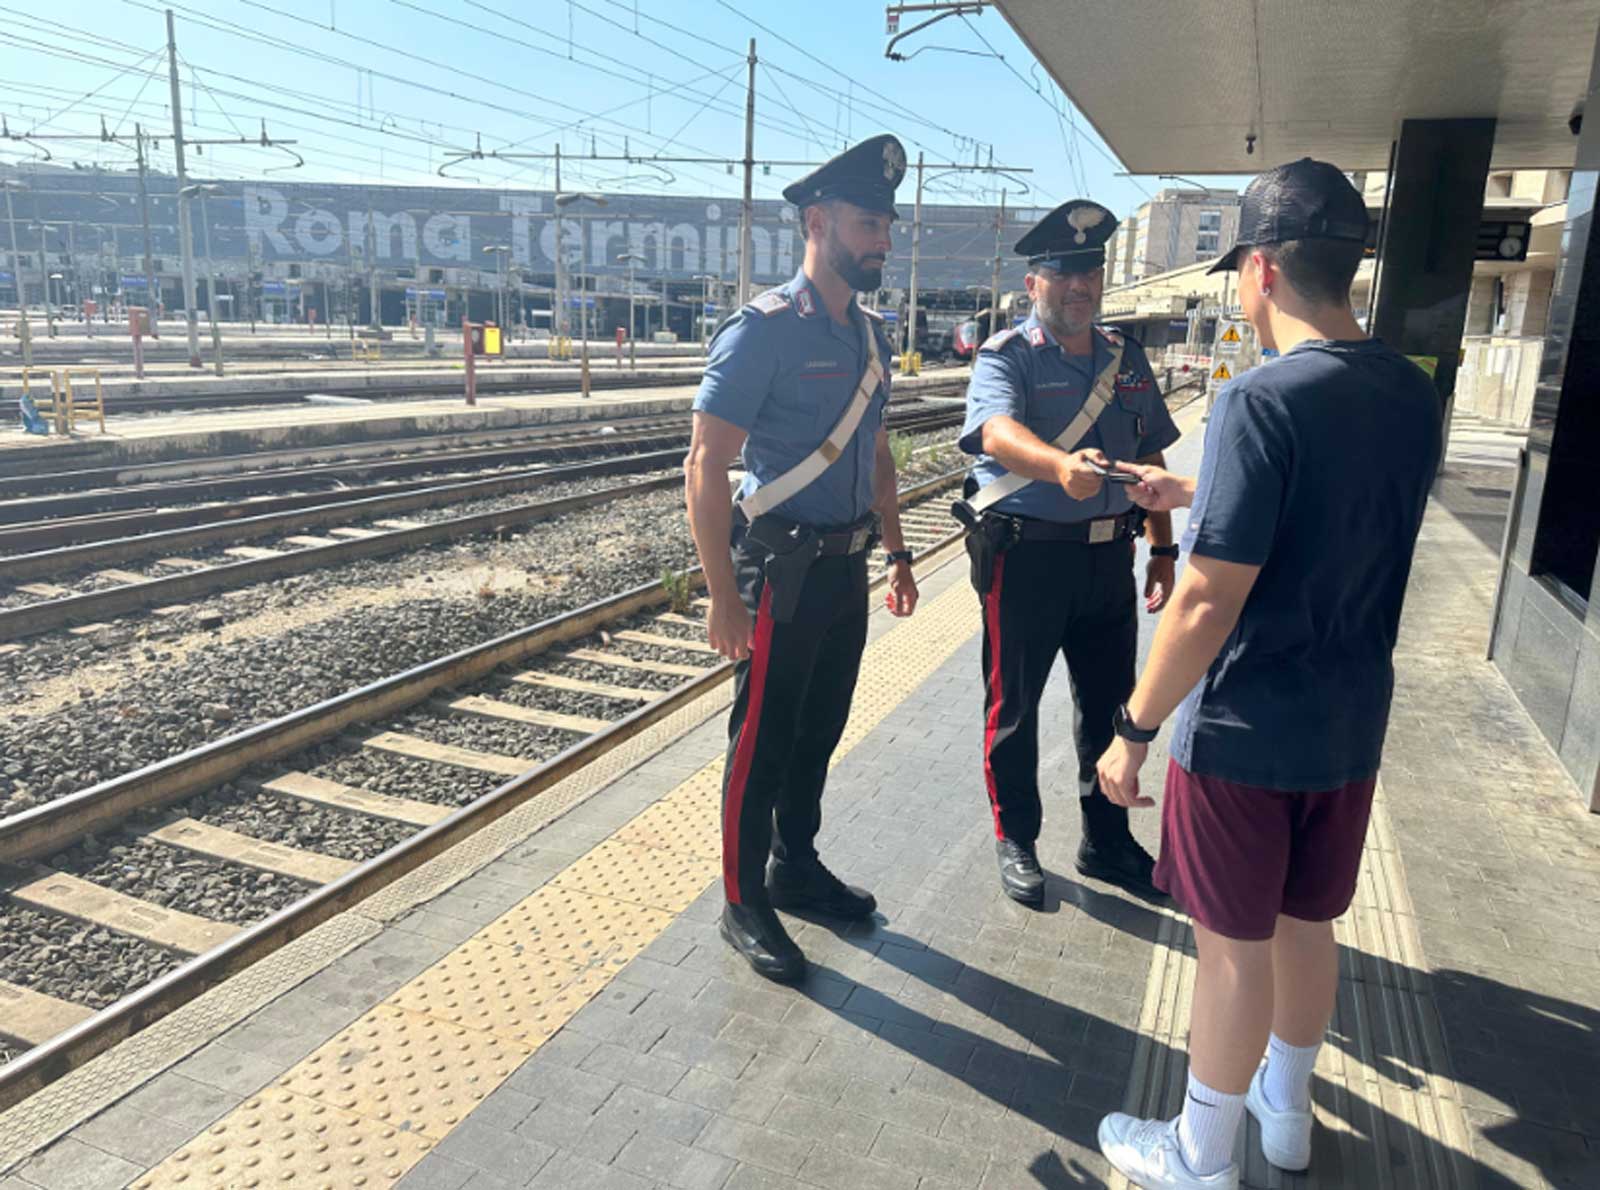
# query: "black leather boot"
(1019, 872)
(1109, 852)
(757, 934)
(808, 885)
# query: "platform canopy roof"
(1176, 87)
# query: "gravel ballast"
(180, 879)
(485, 588)
(397, 776)
(299, 824)
(66, 958)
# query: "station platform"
(549, 1005)
(387, 415)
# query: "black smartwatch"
(1164, 551)
(1123, 724)
(894, 556)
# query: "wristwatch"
(1164, 551)
(893, 556)
(1122, 723)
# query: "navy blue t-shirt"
(1317, 468)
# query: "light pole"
(44, 271)
(630, 259)
(706, 281)
(205, 189)
(562, 201)
(501, 253)
(23, 330)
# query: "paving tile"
(497, 1151)
(842, 1130)
(70, 1164)
(573, 1130)
(568, 1172)
(180, 1100)
(928, 1156)
(135, 1136)
(635, 1068)
(901, 1107)
(838, 1170)
(434, 1172)
(752, 1144)
(547, 1080)
(228, 1069)
(658, 1115)
(667, 1163)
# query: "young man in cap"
(795, 386)
(1049, 403)
(1278, 644)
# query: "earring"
(1266, 291)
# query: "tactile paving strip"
(649, 876)
(496, 989)
(407, 1070)
(578, 927)
(518, 980)
(281, 1139)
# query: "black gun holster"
(989, 535)
(786, 551)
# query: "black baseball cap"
(1304, 200)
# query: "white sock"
(1287, 1081)
(1208, 1128)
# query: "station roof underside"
(1177, 88)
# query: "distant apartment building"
(1177, 227)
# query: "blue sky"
(341, 77)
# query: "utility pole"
(994, 283)
(185, 233)
(558, 322)
(152, 295)
(24, 332)
(747, 211)
(908, 352)
(369, 245)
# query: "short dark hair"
(830, 203)
(1320, 271)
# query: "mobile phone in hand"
(1110, 475)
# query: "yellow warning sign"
(1231, 335)
(1222, 372)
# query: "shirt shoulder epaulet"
(999, 339)
(772, 302)
(1113, 336)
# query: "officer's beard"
(1061, 320)
(861, 273)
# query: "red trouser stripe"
(991, 621)
(744, 752)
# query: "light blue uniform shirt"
(1024, 374)
(783, 371)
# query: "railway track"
(487, 382)
(195, 560)
(320, 808)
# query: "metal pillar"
(1429, 239)
(185, 230)
(747, 209)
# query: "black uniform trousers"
(790, 704)
(1045, 598)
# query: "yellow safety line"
(365, 1107)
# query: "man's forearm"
(1020, 451)
(711, 525)
(886, 501)
(1188, 638)
(1157, 525)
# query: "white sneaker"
(1285, 1135)
(1147, 1153)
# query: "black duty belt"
(845, 541)
(1098, 531)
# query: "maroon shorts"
(1236, 856)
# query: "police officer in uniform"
(795, 386)
(1051, 404)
